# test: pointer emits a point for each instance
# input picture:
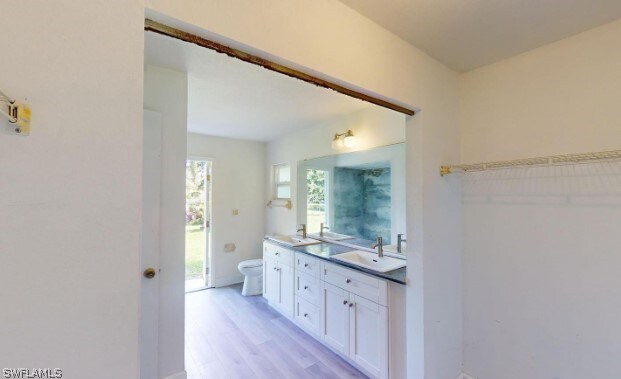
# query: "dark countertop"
(325, 250)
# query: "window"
(282, 182)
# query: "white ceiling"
(231, 98)
(466, 34)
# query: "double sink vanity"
(349, 299)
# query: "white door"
(287, 289)
(150, 245)
(335, 317)
(271, 290)
(368, 336)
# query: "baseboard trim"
(227, 280)
(465, 376)
(179, 375)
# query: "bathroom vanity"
(357, 313)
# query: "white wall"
(372, 127)
(238, 177)
(165, 91)
(541, 261)
(560, 98)
(70, 193)
(356, 52)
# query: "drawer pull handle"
(305, 314)
(351, 305)
(305, 264)
(348, 281)
(345, 302)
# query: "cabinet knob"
(275, 268)
(305, 314)
(348, 281)
(305, 264)
(305, 287)
(277, 253)
(149, 273)
(351, 305)
(345, 302)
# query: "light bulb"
(350, 141)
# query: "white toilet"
(253, 272)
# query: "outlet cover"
(235, 212)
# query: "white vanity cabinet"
(361, 317)
(278, 278)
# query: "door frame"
(150, 252)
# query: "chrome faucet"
(303, 230)
(400, 240)
(380, 247)
(322, 228)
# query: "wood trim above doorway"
(156, 27)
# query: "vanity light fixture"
(346, 139)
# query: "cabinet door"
(271, 281)
(335, 317)
(287, 289)
(368, 336)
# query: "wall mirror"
(358, 195)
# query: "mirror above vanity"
(355, 197)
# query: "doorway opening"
(238, 116)
(197, 224)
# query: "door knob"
(149, 273)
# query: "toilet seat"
(251, 263)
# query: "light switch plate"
(235, 212)
(229, 247)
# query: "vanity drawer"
(366, 286)
(278, 253)
(307, 315)
(307, 287)
(307, 264)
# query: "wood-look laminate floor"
(232, 336)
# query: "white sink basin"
(370, 261)
(293, 240)
(333, 236)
